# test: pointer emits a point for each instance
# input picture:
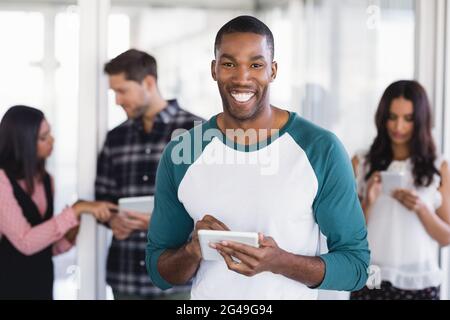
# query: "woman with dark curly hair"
(406, 227)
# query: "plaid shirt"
(126, 167)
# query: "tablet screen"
(391, 181)
(213, 236)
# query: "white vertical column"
(102, 122)
(445, 253)
(49, 65)
(429, 56)
(425, 43)
(433, 71)
(92, 119)
(299, 36)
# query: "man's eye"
(227, 64)
(257, 65)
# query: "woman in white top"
(404, 188)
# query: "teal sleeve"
(170, 225)
(340, 218)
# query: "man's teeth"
(242, 97)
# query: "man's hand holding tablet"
(246, 253)
(134, 214)
(208, 237)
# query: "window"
(354, 50)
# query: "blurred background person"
(29, 233)
(406, 226)
(126, 167)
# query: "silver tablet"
(213, 236)
(137, 204)
(391, 181)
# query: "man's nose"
(241, 74)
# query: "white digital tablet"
(137, 204)
(213, 236)
(390, 181)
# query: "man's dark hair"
(246, 24)
(134, 63)
(19, 131)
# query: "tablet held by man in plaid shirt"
(127, 164)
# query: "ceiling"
(204, 4)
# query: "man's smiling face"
(243, 71)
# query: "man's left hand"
(253, 260)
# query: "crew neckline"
(255, 146)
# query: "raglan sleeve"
(339, 215)
(170, 225)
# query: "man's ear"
(213, 70)
(150, 82)
(274, 71)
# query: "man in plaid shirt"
(127, 164)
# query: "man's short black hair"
(134, 63)
(246, 24)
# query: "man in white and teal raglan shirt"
(287, 181)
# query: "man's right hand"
(122, 226)
(178, 266)
(207, 223)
